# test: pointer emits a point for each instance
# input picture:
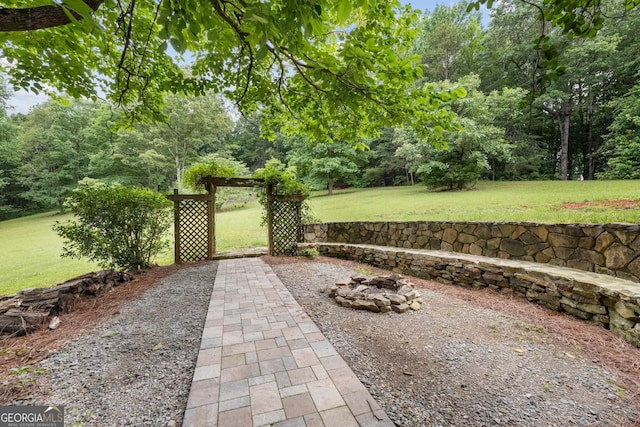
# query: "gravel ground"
(451, 364)
(135, 369)
(454, 363)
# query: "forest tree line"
(572, 114)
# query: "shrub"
(116, 226)
(192, 177)
(216, 166)
(285, 183)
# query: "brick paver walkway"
(263, 361)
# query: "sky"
(22, 101)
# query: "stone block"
(580, 264)
(466, 238)
(434, 243)
(634, 268)
(529, 238)
(513, 247)
(586, 242)
(519, 231)
(618, 256)
(626, 233)
(625, 328)
(493, 243)
(507, 229)
(444, 246)
(343, 302)
(562, 240)
(592, 230)
(577, 313)
(592, 308)
(563, 253)
(603, 241)
(475, 249)
(470, 228)
(628, 311)
(541, 231)
(449, 236)
(365, 305)
(401, 308)
(589, 255)
(541, 257)
(574, 230)
(483, 231)
(549, 301)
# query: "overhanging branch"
(37, 18)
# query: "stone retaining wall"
(612, 302)
(612, 249)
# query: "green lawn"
(491, 201)
(30, 249)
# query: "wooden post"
(211, 209)
(176, 228)
(270, 217)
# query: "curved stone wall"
(612, 249)
(611, 302)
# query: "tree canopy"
(303, 63)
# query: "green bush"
(220, 167)
(116, 226)
(192, 177)
(285, 183)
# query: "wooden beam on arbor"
(233, 182)
(180, 197)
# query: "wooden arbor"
(195, 219)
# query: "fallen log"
(18, 322)
(31, 309)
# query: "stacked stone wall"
(611, 302)
(612, 249)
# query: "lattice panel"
(194, 230)
(286, 226)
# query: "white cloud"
(22, 101)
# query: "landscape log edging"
(611, 302)
(611, 249)
(31, 309)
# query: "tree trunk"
(178, 172)
(591, 158)
(330, 186)
(564, 116)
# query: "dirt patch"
(618, 204)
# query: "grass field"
(30, 249)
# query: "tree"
(249, 147)
(9, 154)
(194, 126)
(578, 89)
(470, 149)
(116, 226)
(623, 141)
(449, 39)
(327, 162)
(54, 153)
(317, 66)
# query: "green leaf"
(460, 92)
(110, 334)
(344, 10)
(80, 7)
